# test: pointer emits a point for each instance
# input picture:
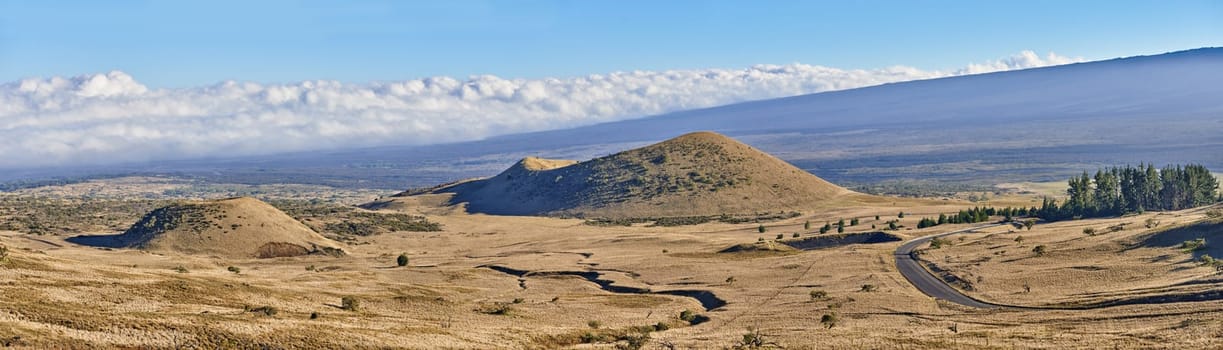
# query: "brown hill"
(701, 173)
(233, 228)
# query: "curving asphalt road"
(927, 282)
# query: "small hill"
(233, 228)
(701, 173)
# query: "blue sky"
(191, 43)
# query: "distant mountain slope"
(1034, 124)
(700, 173)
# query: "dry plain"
(57, 294)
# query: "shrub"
(780, 236)
(234, 269)
(688, 316)
(830, 320)
(731, 280)
(1040, 250)
(314, 315)
(350, 303)
(310, 268)
(402, 260)
(869, 288)
(1029, 223)
(633, 341)
(518, 300)
(180, 269)
(939, 242)
(901, 215)
(3, 254)
(761, 229)
(1194, 245)
(661, 326)
(266, 310)
(1151, 223)
(594, 324)
(753, 339)
(1089, 231)
(795, 235)
(818, 295)
(1019, 239)
(807, 225)
(1214, 213)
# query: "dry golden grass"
(59, 295)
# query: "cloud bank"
(113, 118)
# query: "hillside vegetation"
(701, 173)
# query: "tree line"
(1133, 189)
(974, 215)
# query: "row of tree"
(1130, 189)
(974, 215)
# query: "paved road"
(929, 283)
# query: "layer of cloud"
(113, 118)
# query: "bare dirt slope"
(235, 228)
(700, 173)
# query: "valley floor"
(462, 288)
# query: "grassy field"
(57, 294)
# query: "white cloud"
(112, 118)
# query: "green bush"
(594, 324)
(350, 303)
(234, 269)
(818, 295)
(830, 320)
(1193, 245)
(402, 260)
(1040, 250)
(688, 316)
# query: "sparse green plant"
(1040, 250)
(3, 254)
(402, 260)
(688, 316)
(1019, 239)
(633, 341)
(830, 320)
(1193, 245)
(1214, 213)
(869, 288)
(594, 324)
(1027, 224)
(266, 310)
(310, 268)
(661, 326)
(234, 269)
(730, 280)
(518, 301)
(939, 242)
(754, 339)
(1151, 223)
(350, 303)
(181, 269)
(818, 295)
(1089, 231)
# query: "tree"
(761, 229)
(853, 222)
(840, 229)
(402, 260)
(901, 215)
(1040, 250)
(1029, 223)
(825, 228)
(807, 225)
(830, 320)
(350, 303)
(892, 225)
